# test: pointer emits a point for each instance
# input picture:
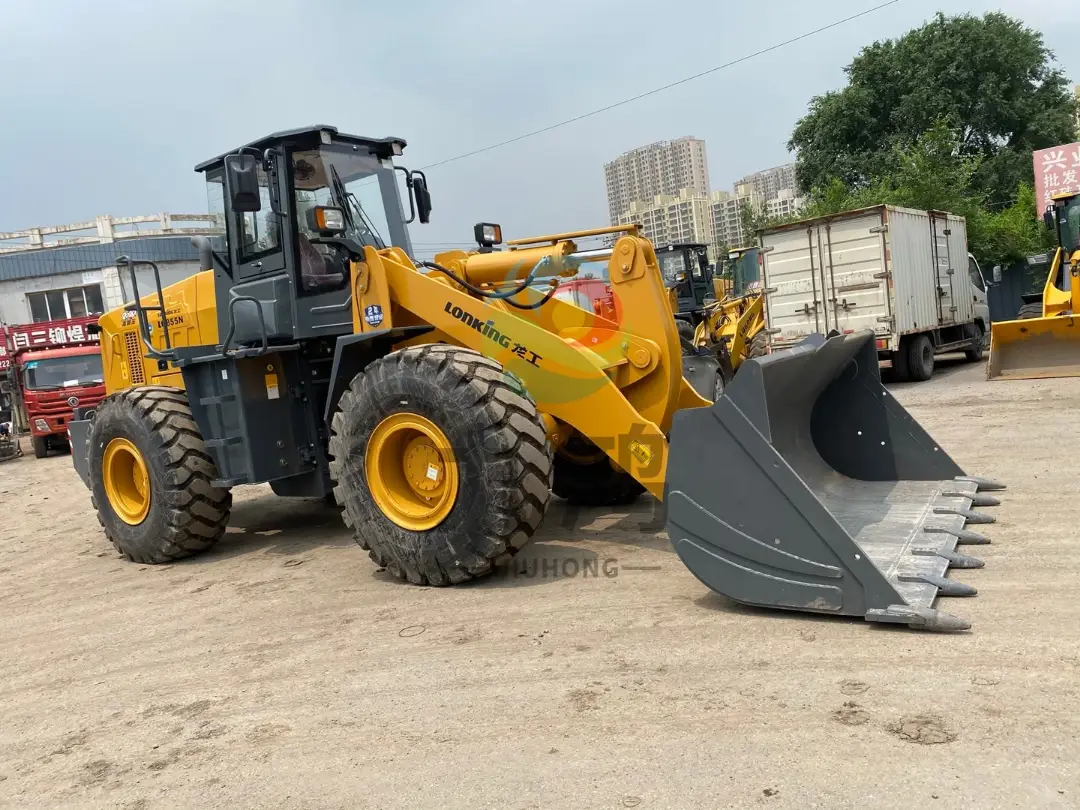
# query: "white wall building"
(67, 271)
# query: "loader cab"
(289, 204)
(685, 268)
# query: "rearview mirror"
(1049, 219)
(242, 178)
(997, 273)
(423, 196)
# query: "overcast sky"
(107, 106)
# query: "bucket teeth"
(955, 560)
(977, 499)
(987, 484)
(945, 586)
(964, 537)
(961, 560)
(968, 515)
(920, 618)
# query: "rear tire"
(1034, 310)
(901, 372)
(975, 353)
(585, 477)
(186, 513)
(41, 446)
(920, 358)
(497, 445)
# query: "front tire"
(441, 463)
(584, 476)
(758, 345)
(975, 353)
(1034, 310)
(151, 477)
(41, 446)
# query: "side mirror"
(1049, 219)
(242, 179)
(997, 273)
(423, 196)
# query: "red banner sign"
(1057, 171)
(47, 335)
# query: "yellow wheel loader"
(733, 326)
(441, 403)
(1044, 341)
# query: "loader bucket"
(807, 487)
(1034, 348)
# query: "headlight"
(41, 424)
(325, 219)
(487, 234)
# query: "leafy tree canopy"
(990, 79)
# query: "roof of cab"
(382, 147)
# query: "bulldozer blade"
(807, 487)
(1034, 348)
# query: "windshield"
(671, 264)
(340, 177)
(63, 372)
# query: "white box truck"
(905, 274)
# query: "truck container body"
(896, 271)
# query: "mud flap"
(1034, 348)
(808, 487)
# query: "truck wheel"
(151, 477)
(441, 463)
(900, 370)
(41, 446)
(920, 358)
(585, 477)
(975, 353)
(1030, 311)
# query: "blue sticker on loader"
(373, 315)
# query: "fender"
(354, 352)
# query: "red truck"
(56, 366)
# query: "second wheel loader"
(1044, 341)
(441, 403)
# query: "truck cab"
(58, 368)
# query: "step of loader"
(808, 487)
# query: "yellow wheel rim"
(411, 471)
(127, 483)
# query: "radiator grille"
(134, 358)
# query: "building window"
(73, 302)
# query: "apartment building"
(767, 184)
(660, 169)
(670, 218)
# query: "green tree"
(990, 79)
(934, 173)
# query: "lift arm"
(618, 385)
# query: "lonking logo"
(488, 330)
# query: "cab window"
(976, 276)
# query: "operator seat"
(314, 268)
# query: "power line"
(653, 92)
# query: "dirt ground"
(283, 671)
